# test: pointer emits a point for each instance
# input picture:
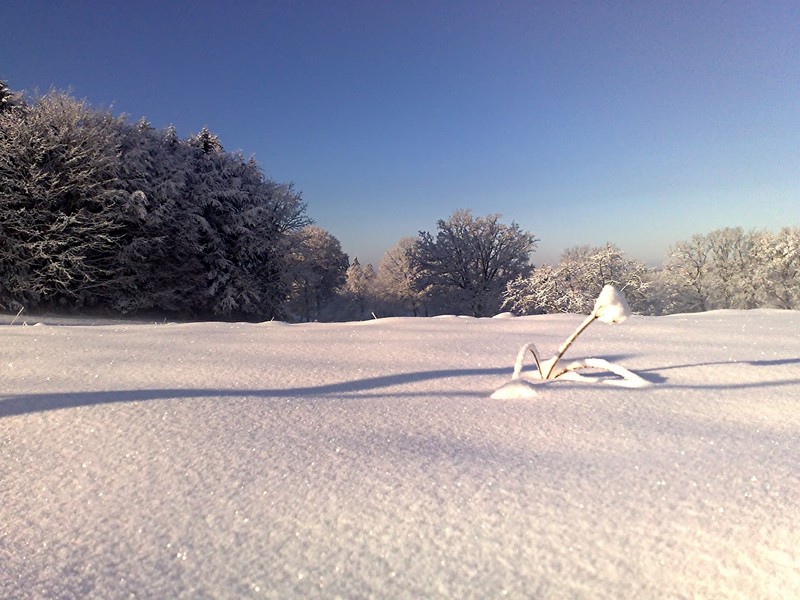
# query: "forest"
(103, 216)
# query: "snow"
(366, 460)
(611, 306)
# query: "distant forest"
(99, 215)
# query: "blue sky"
(638, 123)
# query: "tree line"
(725, 269)
(99, 214)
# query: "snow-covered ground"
(366, 460)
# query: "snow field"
(366, 460)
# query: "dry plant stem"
(14, 320)
(521, 358)
(536, 360)
(567, 343)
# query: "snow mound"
(516, 389)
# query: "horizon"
(635, 125)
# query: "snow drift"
(367, 460)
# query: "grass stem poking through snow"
(610, 307)
(14, 320)
(521, 357)
(567, 343)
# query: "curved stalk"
(521, 357)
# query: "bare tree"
(472, 259)
(398, 280)
(359, 287)
(721, 269)
(777, 268)
(317, 268)
(573, 284)
(685, 277)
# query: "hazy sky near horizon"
(638, 123)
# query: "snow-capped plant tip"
(610, 307)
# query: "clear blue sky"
(638, 123)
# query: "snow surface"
(366, 460)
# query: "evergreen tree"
(8, 98)
(98, 213)
(207, 142)
(212, 238)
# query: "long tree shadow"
(753, 363)
(653, 374)
(778, 362)
(32, 403)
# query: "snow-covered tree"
(317, 268)
(207, 142)
(471, 259)
(543, 290)
(732, 266)
(212, 238)
(397, 282)
(725, 268)
(777, 268)
(60, 207)
(287, 210)
(685, 276)
(358, 287)
(98, 213)
(573, 284)
(230, 217)
(8, 98)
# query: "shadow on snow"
(32, 403)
